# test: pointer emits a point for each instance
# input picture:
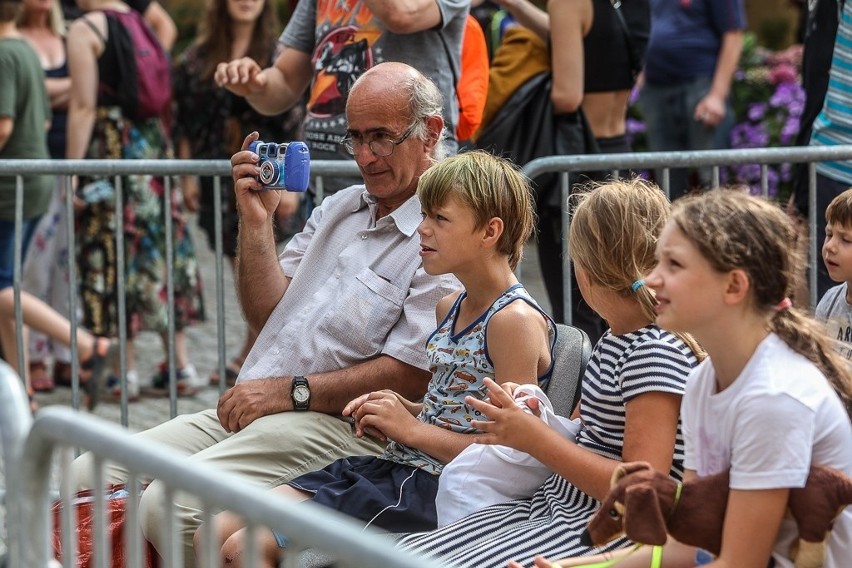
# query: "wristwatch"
(300, 392)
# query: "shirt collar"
(406, 217)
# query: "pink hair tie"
(784, 304)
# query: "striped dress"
(552, 521)
(833, 126)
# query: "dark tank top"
(59, 119)
(607, 55)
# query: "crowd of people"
(390, 336)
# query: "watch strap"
(300, 382)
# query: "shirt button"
(363, 237)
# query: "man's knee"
(83, 470)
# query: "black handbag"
(525, 128)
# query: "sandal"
(62, 374)
(96, 368)
(232, 370)
(40, 379)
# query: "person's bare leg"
(233, 534)
(9, 342)
(46, 320)
(181, 356)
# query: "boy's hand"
(385, 413)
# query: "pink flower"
(783, 73)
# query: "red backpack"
(144, 87)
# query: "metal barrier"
(670, 160)
(15, 422)
(307, 526)
(117, 168)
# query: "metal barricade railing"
(666, 161)
(117, 168)
(307, 526)
(15, 422)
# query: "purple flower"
(789, 130)
(756, 111)
(634, 126)
(783, 95)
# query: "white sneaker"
(189, 382)
(114, 385)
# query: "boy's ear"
(493, 229)
(738, 286)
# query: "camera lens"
(269, 173)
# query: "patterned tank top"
(459, 363)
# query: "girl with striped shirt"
(629, 406)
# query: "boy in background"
(835, 307)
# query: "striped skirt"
(551, 523)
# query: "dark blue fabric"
(7, 248)
(365, 486)
(686, 36)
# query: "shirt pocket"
(367, 310)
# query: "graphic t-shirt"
(345, 39)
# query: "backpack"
(144, 86)
(472, 86)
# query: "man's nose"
(363, 155)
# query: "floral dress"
(116, 137)
(215, 122)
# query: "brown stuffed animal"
(641, 504)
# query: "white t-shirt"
(835, 311)
(776, 419)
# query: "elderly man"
(345, 309)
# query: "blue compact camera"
(283, 166)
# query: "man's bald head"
(403, 87)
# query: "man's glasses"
(382, 145)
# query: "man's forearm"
(331, 391)
(727, 62)
(277, 97)
(260, 280)
(406, 16)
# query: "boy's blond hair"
(839, 211)
(491, 187)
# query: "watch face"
(301, 394)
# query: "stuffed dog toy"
(644, 505)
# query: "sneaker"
(188, 381)
(114, 386)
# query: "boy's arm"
(517, 361)
(7, 126)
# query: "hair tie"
(636, 285)
(784, 305)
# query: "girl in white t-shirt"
(772, 398)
